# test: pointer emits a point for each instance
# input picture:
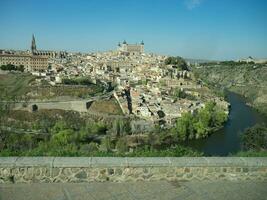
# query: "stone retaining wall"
(79, 105)
(116, 169)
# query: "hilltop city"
(144, 84)
(120, 101)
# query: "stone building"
(36, 60)
(30, 62)
(131, 49)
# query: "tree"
(184, 126)
(199, 124)
(255, 138)
(201, 130)
(219, 117)
(204, 116)
(59, 126)
(63, 137)
(20, 68)
(11, 67)
(179, 62)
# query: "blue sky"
(207, 29)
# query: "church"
(50, 54)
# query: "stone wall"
(78, 105)
(116, 169)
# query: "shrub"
(255, 138)
(121, 145)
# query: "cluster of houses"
(144, 85)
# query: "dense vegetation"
(61, 133)
(178, 62)
(255, 138)
(77, 81)
(10, 67)
(66, 133)
(254, 141)
(247, 79)
(200, 124)
(227, 63)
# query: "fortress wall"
(118, 169)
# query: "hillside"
(249, 80)
(25, 86)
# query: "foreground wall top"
(133, 162)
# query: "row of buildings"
(36, 60)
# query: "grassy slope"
(15, 84)
(19, 84)
(106, 106)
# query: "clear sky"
(207, 29)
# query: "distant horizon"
(194, 29)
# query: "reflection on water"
(227, 139)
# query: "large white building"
(131, 49)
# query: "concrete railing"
(118, 169)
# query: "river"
(227, 140)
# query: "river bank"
(227, 140)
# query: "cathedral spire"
(33, 46)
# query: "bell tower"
(33, 46)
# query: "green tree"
(63, 137)
(205, 117)
(59, 126)
(219, 117)
(201, 129)
(184, 126)
(21, 68)
(179, 62)
(255, 138)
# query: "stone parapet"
(119, 169)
